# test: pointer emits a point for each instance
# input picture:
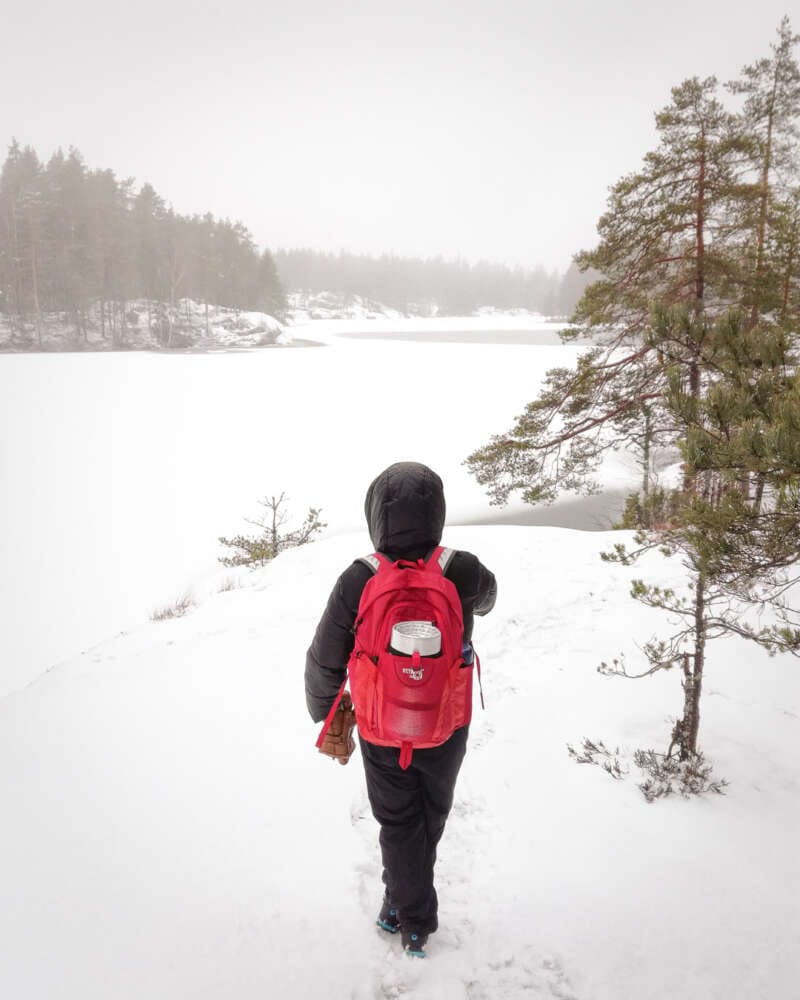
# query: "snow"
(319, 307)
(169, 830)
(304, 307)
(126, 467)
(486, 322)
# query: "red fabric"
(415, 701)
(326, 725)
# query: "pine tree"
(769, 125)
(742, 554)
(68, 228)
(148, 220)
(656, 244)
(269, 294)
(22, 214)
(693, 327)
(272, 539)
(782, 256)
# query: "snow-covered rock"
(149, 326)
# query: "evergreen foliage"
(694, 332)
(72, 238)
(258, 550)
(430, 287)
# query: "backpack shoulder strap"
(441, 557)
(373, 561)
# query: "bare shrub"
(176, 610)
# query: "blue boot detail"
(414, 944)
(388, 919)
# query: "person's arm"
(485, 591)
(326, 659)
(476, 587)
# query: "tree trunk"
(755, 312)
(699, 662)
(787, 279)
(122, 323)
(700, 224)
(274, 529)
(17, 281)
(37, 313)
(689, 479)
(646, 456)
(685, 733)
(759, 497)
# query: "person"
(405, 512)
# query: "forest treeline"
(432, 285)
(79, 246)
(84, 244)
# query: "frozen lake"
(121, 470)
(534, 338)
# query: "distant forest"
(84, 244)
(433, 285)
(79, 246)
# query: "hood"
(405, 510)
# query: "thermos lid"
(416, 637)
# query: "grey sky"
(482, 129)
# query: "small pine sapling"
(258, 550)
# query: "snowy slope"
(169, 831)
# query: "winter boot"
(388, 919)
(414, 943)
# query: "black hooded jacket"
(405, 512)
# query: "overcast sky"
(482, 129)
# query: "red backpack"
(410, 684)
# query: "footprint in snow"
(509, 977)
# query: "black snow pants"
(412, 807)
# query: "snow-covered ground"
(124, 468)
(168, 829)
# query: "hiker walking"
(399, 624)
